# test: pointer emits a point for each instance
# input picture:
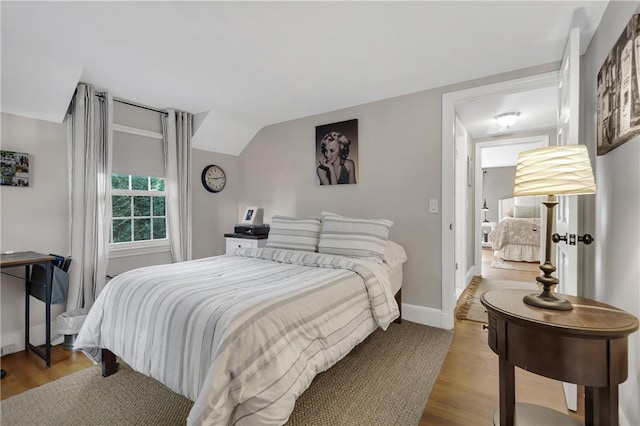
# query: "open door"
(566, 260)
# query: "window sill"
(138, 249)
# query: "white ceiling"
(538, 109)
(245, 65)
(506, 155)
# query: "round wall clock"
(213, 178)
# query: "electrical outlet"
(9, 349)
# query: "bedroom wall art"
(618, 88)
(337, 153)
(14, 168)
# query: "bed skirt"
(518, 253)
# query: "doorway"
(452, 230)
(496, 161)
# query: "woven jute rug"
(472, 309)
(386, 380)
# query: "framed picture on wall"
(14, 168)
(337, 153)
(618, 86)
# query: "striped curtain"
(91, 141)
(177, 129)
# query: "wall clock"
(213, 178)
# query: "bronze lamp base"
(547, 300)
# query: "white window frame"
(134, 248)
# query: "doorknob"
(571, 238)
(586, 238)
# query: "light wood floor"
(26, 370)
(466, 392)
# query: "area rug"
(472, 309)
(516, 266)
(386, 380)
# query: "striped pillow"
(364, 238)
(294, 234)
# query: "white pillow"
(394, 254)
(294, 233)
(361, 238)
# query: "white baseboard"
(470, 274)
(36, 336)
(427, 316)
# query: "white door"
(566, 260)
(460, 222)
(568, 134)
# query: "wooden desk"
(587, 346)
(26, 259)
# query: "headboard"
(530, 204)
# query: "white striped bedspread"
(241, 335)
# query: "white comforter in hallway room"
(511, 230)
(241, 335)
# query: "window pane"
(121, 205)
(141, 229)
(121, 230)
(140, 182)
(119, 181)
(141, 206)
(158, 206)
(159, 228)
(157, 184)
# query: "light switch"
(433, 206)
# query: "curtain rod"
(139, 106)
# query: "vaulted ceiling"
(241, 66)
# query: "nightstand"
(587, 345)
(491, 226)
(250, 241)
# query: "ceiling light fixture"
(507, 119)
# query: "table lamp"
(558, 170)
(485, 209)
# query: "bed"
(242, 335)
(516, 237)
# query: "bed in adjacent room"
(516, 237)
(243, 335)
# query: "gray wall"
(213, 215)
(400, 170)
(497, 184)
(37, 218)
(611, 267)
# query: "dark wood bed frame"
(110, 365)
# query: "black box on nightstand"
(251, 229)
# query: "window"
(138, 224)
(138, 209)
